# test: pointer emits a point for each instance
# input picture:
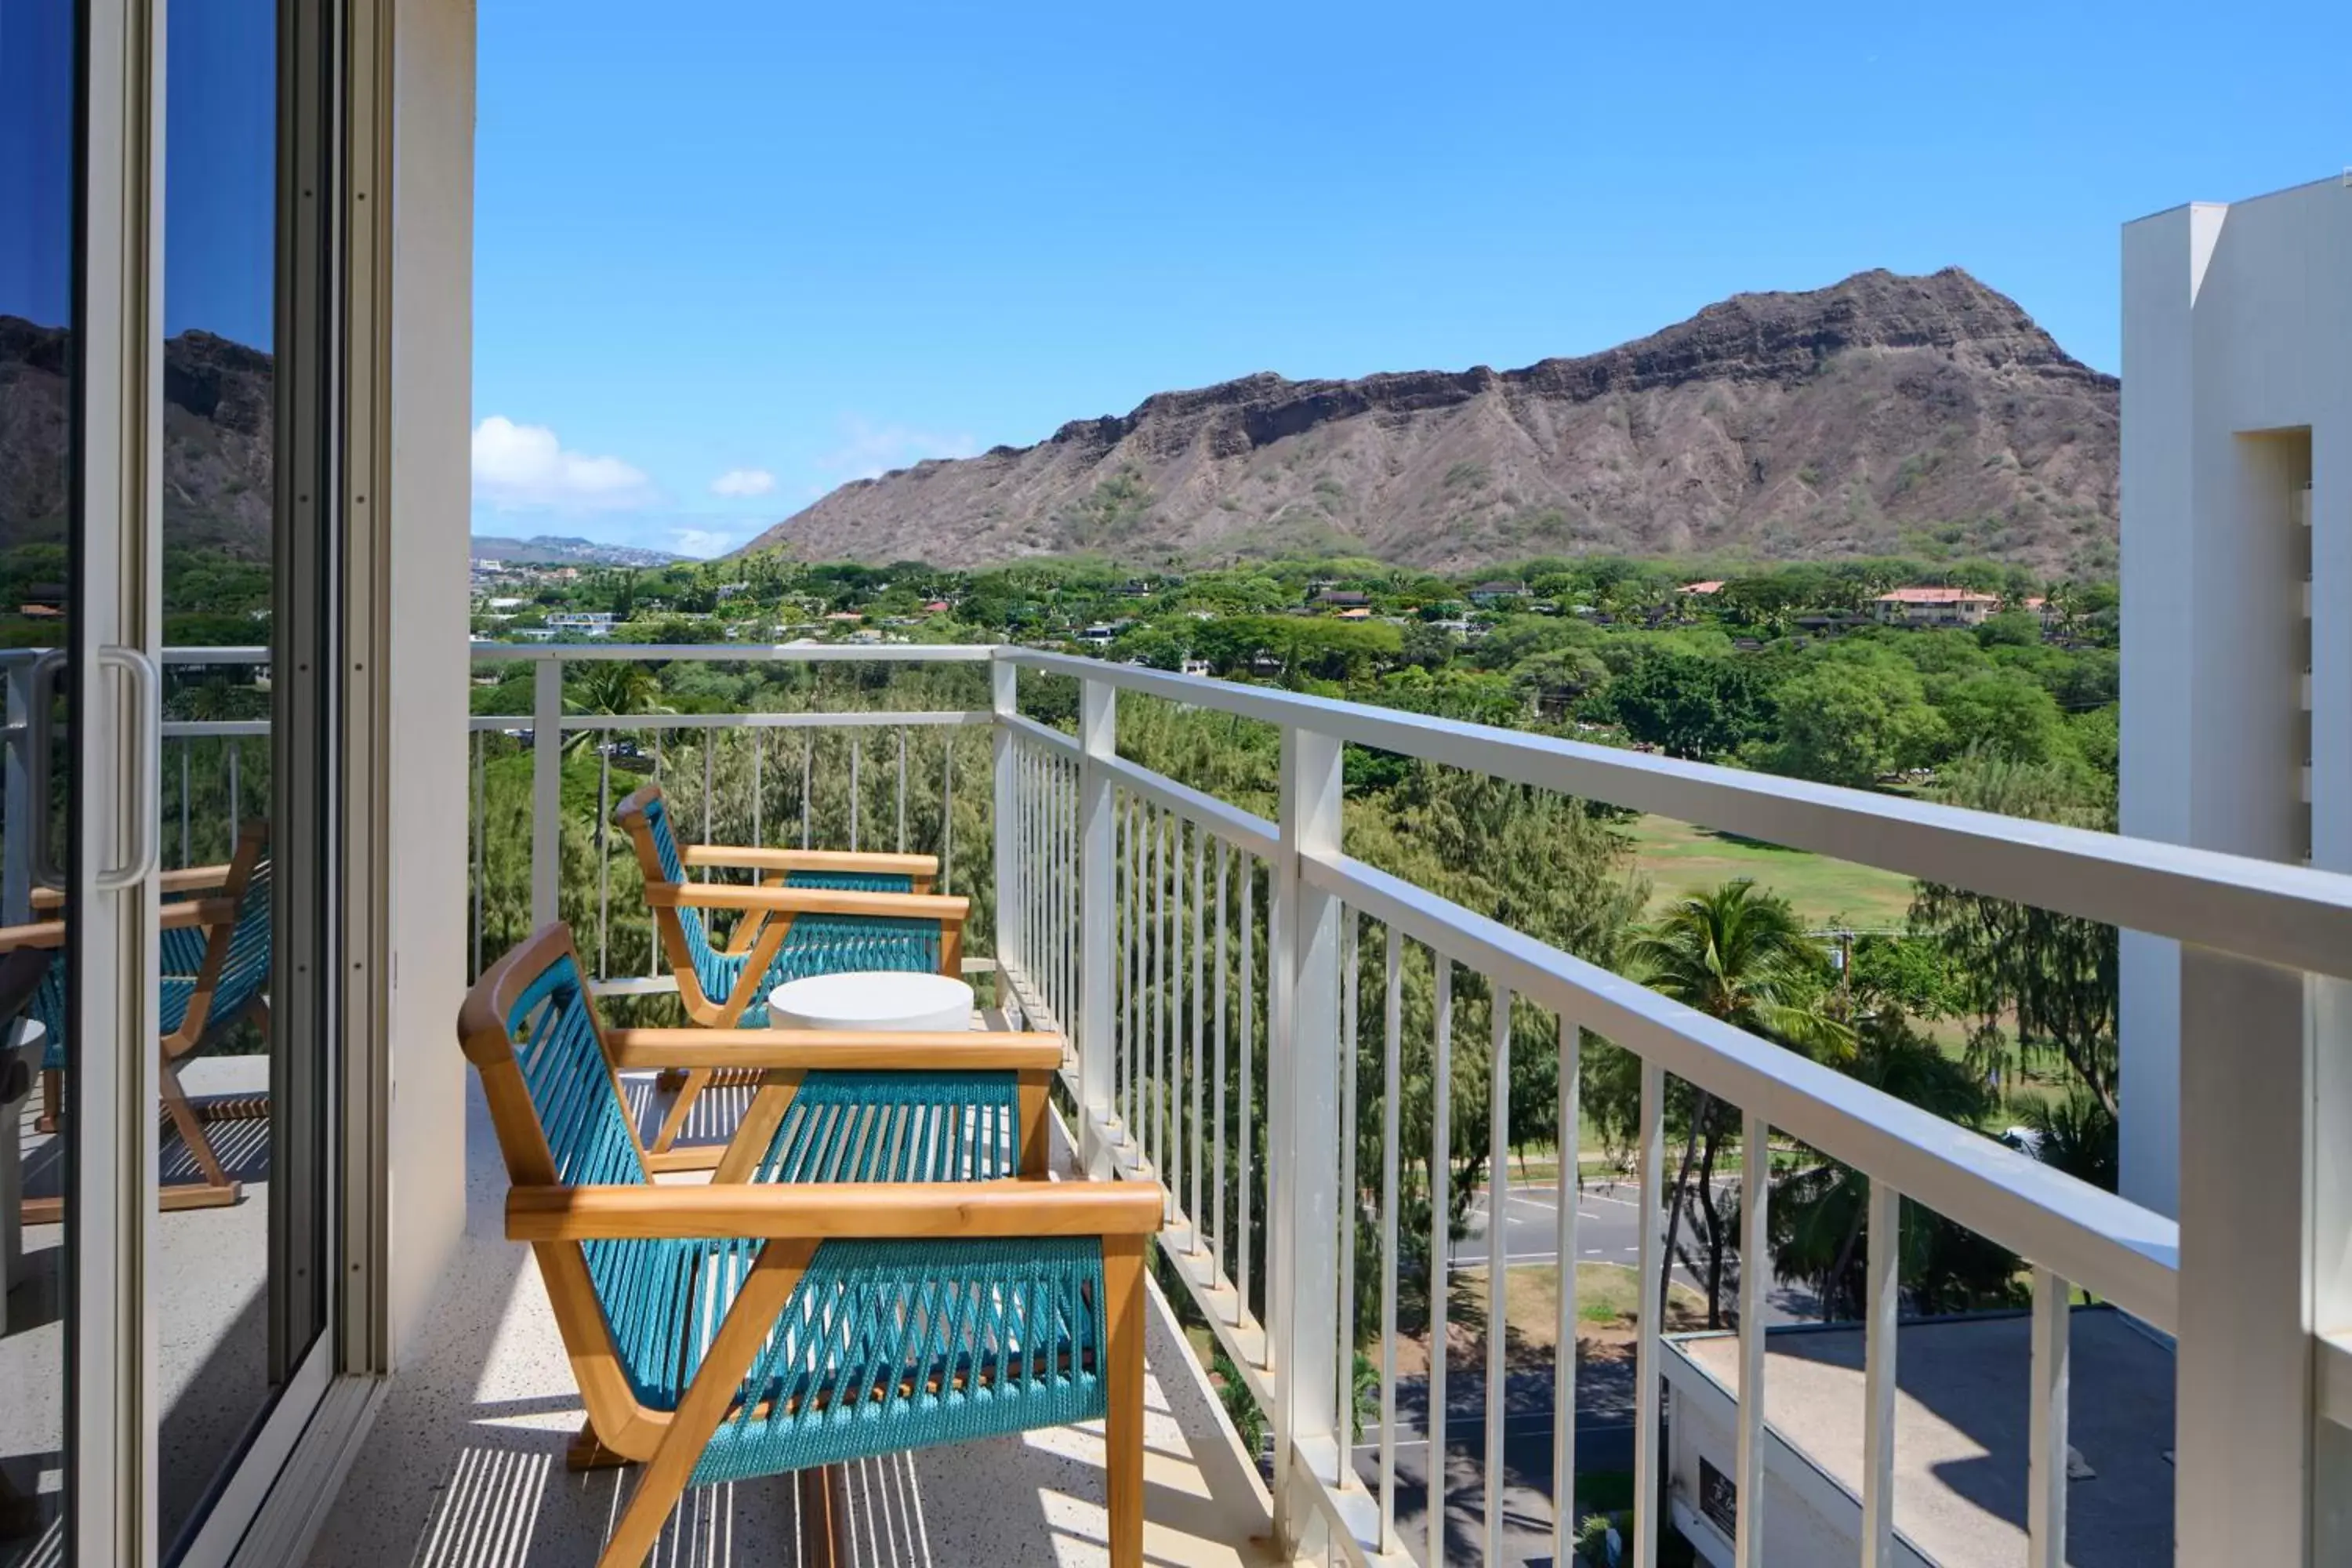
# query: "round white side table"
(886, 1001)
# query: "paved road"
(1604, 1441)
(1608, 1230)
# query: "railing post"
(2245, 1398)
(1097, 914)
(1004, 701)
(1302, 1121)
(546, 790)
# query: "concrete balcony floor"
(463, 1463)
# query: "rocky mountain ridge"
(1882, 414)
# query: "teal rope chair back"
(246, 970)
(182, 959)
(710, 966)
(641, 1286)
(852, 881)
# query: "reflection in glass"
(208, 1295)
(37, 110)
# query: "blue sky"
(730, 257)
(811, 241)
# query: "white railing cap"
(2292, 916)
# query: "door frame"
(113, 941)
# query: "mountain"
(1882, 414)
(548, 550)
(217, 439)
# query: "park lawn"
(1681, 860)
(1606, 1295)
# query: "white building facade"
(2237, 577)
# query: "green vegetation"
(1983, 1012)
(1680, 860)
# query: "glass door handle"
(145, 684)
(40, 765)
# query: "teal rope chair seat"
(898, 1127)
(891, 1346)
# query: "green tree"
(2055, 976)
(1687, 705)
(610, 687)
(2010, 628)
(1817, 1218)
(1851, 721)
(1741, 956)
(2007, 714)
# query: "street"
(1608, 1231)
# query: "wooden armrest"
(185, 879)
(867, 1210)
(948, 910)
(760, 859)
(40, 933)
(197, 912)
(975, 1050)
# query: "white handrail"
(737, 653)
(2290, 916)
(2104, 1242)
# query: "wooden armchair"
(831, 912)
(215, 960)
(819, 1301)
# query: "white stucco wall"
(2237, 386)
(431, 433)
(1809, 1518)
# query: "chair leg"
(53, 1100)
(765, 1291)
(586, 1451)
(191, 1131)
(1123, 1388)
(696, 1080)
(824, 1514)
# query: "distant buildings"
(1934, 607)
(1494, 591)
(583, 623)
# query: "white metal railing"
(785, 755)
(1165, 876)
(1203, 963)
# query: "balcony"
(1229, 988)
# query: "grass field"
(1681, 860)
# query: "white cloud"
(702, 541)
(870, 449)
(743, 482)
(521, 468)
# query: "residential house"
(1934, 607)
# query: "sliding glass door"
(41, 397)
(169, 630)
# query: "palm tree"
(2078, 1135)
(1817, 1214)
(1740, 955)
(611, 687)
